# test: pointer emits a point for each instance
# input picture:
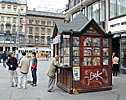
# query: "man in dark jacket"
(12, 63)
(4, 56)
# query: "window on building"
(14, 28)
(43, 31)
(8, 26)
(8, 19)
(7, 37)
(21, 39)
(13, 39)
(37, 40)
(48, 40)
(2, 37)
(21, 11)
(9, 8)
(30, 21)
(36, 30)
(15, 9)
(49, 23)
(30, 30)
(2, 18)
(117, 8)
(37, 22)
(20, 28)
(14, 19)
(89, 12)
(48, 31)
(43, 22)
(43, 40)
(96, 11)
(2, 28)
(30, 39)
(102, 10)
(2, 9)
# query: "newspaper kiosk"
(85, 55)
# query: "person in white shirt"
(115, 65)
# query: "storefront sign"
(117, 25)
(76, 73)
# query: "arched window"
(14, 28)
(2, 28)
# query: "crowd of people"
(11, 61)
(23, 66)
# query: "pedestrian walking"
(12, 64)
(24, 68)
(4, 56)
(51, 73)
(34, 69)
(115, 61)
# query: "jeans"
(34, 76)
(4, 63)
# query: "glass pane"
(66, 52)
(75, 61)
(105, 42)
(112, 8)
(66, 42)
(75, 41)
(102, 10)
(87, 51)
(87, 41)
(96, 61)
(87, 61)
(105, 60)
(75, 51)
(90, 12)
(66, 60)
(105, 51)
(96, 42)
(121, 7)
(96, 51)
(96, 11)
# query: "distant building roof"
(45, 14)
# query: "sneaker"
(24, 88)
(34, 85)
(50, 90)
(18, 87)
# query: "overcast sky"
(47, 5)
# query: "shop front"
(117, 27)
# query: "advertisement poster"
(76, 73)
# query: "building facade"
(12, 15)
(40, 28)
(25, 29)
(110, 14)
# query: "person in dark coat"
(12, 64)
(4, 56)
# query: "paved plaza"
(40, 92)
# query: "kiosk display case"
(85, 57)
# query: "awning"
(119, 35)
(116, 36)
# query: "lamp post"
(17, 35)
